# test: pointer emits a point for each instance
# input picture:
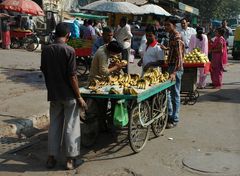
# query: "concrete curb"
(26, 127)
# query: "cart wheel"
(81, 66)
(138, 135)
(192, 98)
(196, 94)
(15, 44)
(159, 106)
(31, 43)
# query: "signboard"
(188, 8)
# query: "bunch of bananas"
(152, 75)
(103, 81)
(142, 83)
(152, 72)
(124, 79)
(93, 84)
(115, 59)
(114, 91)
(129, 91)
(164, 77)
(113, 79)
(134, 79)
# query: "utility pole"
(61, 12)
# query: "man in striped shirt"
(175, 69)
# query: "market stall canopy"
(113, 7)
(89, 16)
(154, 9)
(22, 6)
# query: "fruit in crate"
(196, 56)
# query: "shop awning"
(188, 8)
(88, 16)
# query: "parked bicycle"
(25, 40)
(83, 65)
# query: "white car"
(230, 40)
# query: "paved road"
(207, 135)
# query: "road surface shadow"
(33, 157)
(222, 95)
(33, 78)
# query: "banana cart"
(148, 109)
(189, 92)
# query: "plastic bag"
(120, 117)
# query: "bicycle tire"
(159, 105)
(81, 66)
(15, 43)
(135, 129)
(31, 43)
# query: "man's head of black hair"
(186, 19)
(115, 47)
(123, 21)
(150, 29)
(62, 29)
(90, 22)
(107, 30)
(172, 20)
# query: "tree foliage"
(215, 9)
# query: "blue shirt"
(98, 42)
(75, 29)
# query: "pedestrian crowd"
(58, 64)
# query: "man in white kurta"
(186, 33)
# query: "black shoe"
(171, 125)
(51, 163)
(224, 70)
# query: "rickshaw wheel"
(81, 66)
(15, 44)
(193, 96)
(138, 135)
(159, 105)
(31, 43)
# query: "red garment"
(217, 61)
(6, 39)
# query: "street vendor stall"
(192, 61)
(189, 92)
(146, 99)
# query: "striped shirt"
(176, 51)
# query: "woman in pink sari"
(219, 54)
(200, 41)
